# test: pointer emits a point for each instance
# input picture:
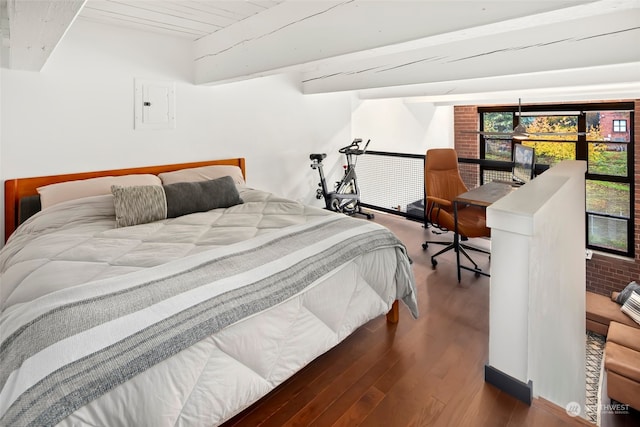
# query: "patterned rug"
(594, 365)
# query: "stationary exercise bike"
(346, 197)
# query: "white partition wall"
(537, 299)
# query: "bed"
(179, 299)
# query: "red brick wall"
(467, 143)
(604, 273)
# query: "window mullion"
(582, 148)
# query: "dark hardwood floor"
(424, 372)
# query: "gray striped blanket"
(67, 348)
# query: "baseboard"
(508, 384)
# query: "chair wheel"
(434, 262)
(477, 272)
(425, 246)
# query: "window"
(619, 125)
(583, 132)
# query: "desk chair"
(442, 184)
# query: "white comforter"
(72, 249)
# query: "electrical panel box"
(154, 104)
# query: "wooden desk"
(482, 196)
(486, 194)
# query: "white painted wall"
(77, 114)
(537, 301)
(403, 125)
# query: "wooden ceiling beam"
(35, 29)
(359, 45)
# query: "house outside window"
(598, 133)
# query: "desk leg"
(456, 238)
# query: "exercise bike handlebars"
(354, 148)
(351, 149)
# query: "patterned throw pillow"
(139, 204)
(632, 307)
(627, 291)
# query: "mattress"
(184, 321)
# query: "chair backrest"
(442, 179)
(441, 175)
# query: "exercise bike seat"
(317, 157)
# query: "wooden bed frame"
(15, 189)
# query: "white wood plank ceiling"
(442, 49)
(190, 19)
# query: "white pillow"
(203, 173)
(64, 191)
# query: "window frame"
(581, 153)
(619, 122)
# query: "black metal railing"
(394, 182)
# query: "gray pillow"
(626, 292)
(188, 197)
(29, 206)
(139, 204)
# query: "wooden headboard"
(15, 189)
